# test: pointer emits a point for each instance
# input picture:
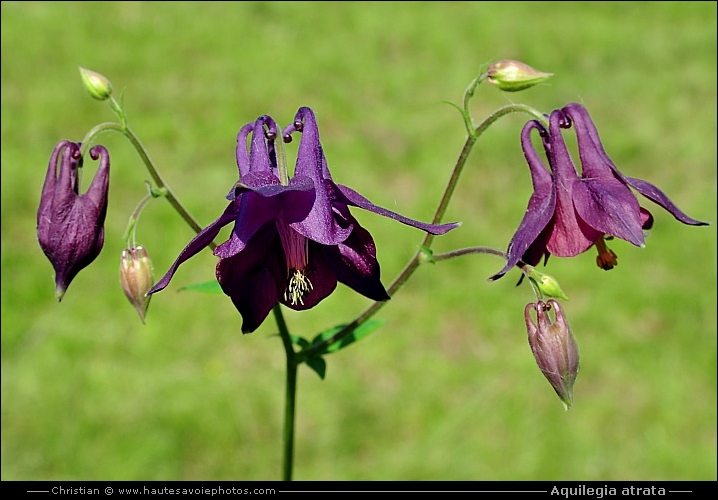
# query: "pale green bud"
(136, 278)
(512, 76)
(96, 84)
(426, 255)
(547, 285)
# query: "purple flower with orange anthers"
(293, 239)
(70, 225)
(568, 213)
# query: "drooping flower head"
(70, 226)
(568, 213)
(293, 239)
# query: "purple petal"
(259, 160)
(44, 211)
(646, 219)
(199, 242)
(570, 235)
(603, 201)
(347, 196)
(253, 279)
(595, 163)
(537, 250)
(256, 180)
(609, 208)
(262, 204)
(540, 208)
(242, 153)
(355, 264)
(319, 225)
(657, 196)
(48, 187)
(97, 192)
(67, 186)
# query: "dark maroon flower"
(567, 214)
(70, 225)
(293, 239)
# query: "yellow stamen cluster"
(296, 250)
(298, 288)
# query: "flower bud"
(512, 76)
(426, 255)
(136, 278)
(96, 84)
(554, 348)
(546, 284)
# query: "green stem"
(468, 94)
(415, 261)
(290, 394)
(467, 251)
(464, 155)
(159, 181)
(132, 224)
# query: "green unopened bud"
(546, 284)
(96, 84)
(136, 278)
(426, 255)
(554, 348)
(512, 76)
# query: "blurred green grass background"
(448, 388)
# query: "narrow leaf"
(359, 333)
(300, 341)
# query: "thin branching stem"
(416, 260)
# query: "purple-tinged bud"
(512, 76)
(96, 84)
(136, 278)
(554, 347)
(70, 225)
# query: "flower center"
(296, 250)
(606, 259)
(299, 287)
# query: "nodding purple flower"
(568, 214)
(70, 225)
(293, 239)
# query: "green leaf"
(319, 365)
(360, 332)
(206, 287)
(300, 341)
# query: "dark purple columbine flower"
(293, 240)
(567, 214)
(70, 225)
